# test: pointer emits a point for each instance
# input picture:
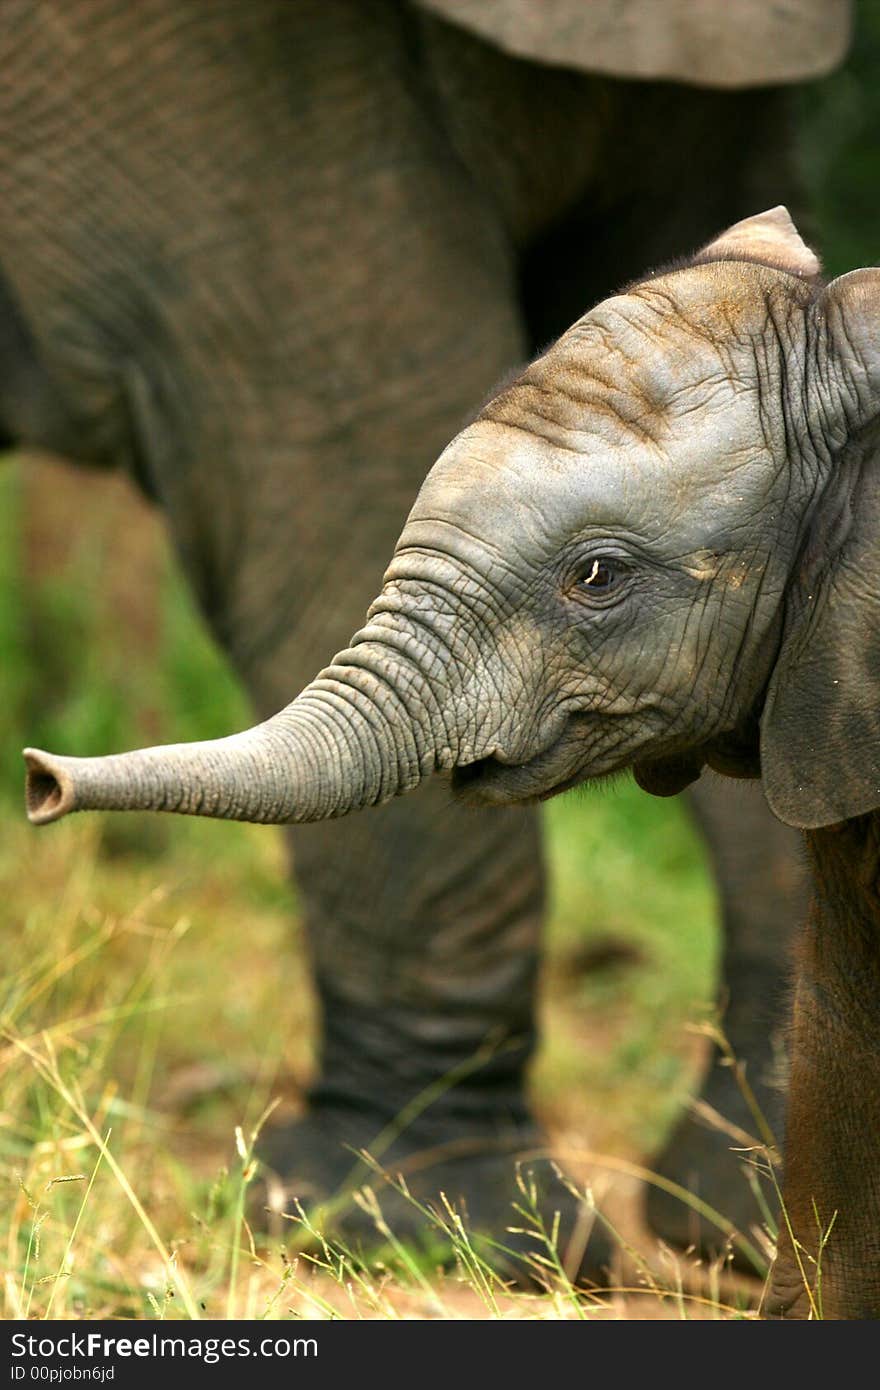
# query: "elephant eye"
(599, 582)
(599, 578)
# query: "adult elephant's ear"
(820, 730)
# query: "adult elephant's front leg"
(423, 922)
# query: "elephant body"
(268, 258)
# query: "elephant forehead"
(511, 488)
(680, 348)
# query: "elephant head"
(654, 549)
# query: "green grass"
(154, 1008)
(159, 1003)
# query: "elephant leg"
(423, 922)
(763, 888)
(827, 1262)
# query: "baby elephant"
(658, 549)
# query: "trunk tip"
(48, 792)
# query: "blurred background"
(125, 942)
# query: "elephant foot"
(716, 1166)
(312, 1163)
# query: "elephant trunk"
(351, 739)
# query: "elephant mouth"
(571, 760)
(491, 782)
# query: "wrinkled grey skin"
(267, 258)
(655, 549)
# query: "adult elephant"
(267, 257)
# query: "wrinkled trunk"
(367, 729)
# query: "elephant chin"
(734, 754)
(669, 776)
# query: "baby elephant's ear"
(820, 731)
(767, 236)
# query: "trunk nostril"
(48, 792)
